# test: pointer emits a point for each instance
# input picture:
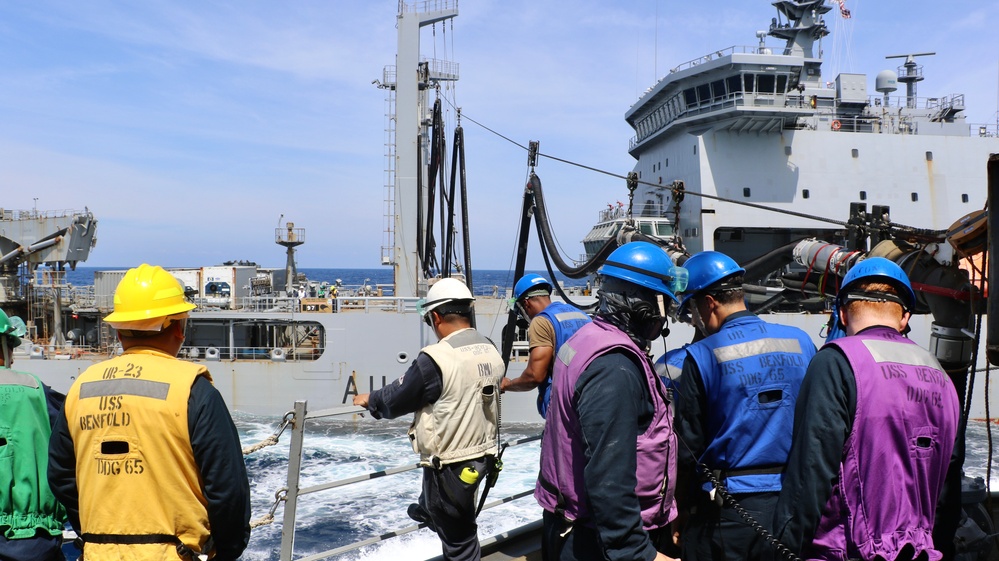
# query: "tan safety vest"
(135, 467)
(461, 424)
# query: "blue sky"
(189, 128)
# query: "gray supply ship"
(747, 150)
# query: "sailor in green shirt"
(31, 520)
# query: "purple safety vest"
(897, 454)
(560, 488)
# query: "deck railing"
(290, 494)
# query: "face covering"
(695, 318)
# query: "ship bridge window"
(765, 83)
(734, 84)
(690, 97)
(645, 228)
(750, 82)
(781, 84)
(704, 93)
(718, 89)
(662, 229)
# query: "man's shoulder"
(540, 320)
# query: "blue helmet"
(648, 265)
(528, 283)
(707, 268)
(879, 269)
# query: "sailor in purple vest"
(552, 323)
(735, 410)
(874, 436)
(608, 454)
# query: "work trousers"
(583, 542)
(715, 533)
(450, 502)
(42, 547)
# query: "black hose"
(459, 140)
(770, 261)
(544, 232)
(524, 237)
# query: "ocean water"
(336, 450)
(486, 280)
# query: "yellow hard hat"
(145, 293)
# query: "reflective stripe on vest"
(125, 386)
(757, 347)
(14, 378)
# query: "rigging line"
(650, 184)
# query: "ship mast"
(409, 82)
(803, 27)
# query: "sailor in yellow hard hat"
(145, 455)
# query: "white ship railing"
(290, 494)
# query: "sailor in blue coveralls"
(735, 410)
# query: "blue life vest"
(752, 372)
(670, 365)
(566, 320)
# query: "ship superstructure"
(761, 125)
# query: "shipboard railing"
(290, 494)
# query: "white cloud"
(189, 128)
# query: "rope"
(279, 498)
(272, 439)
(269, 441)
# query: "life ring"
(836, 125)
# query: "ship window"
(662, 228)
(750, 81)
(964, 197)
(781, 84)
(667, 165)
(703, 93)
(929, 156)
(745, 192)
(805, 193)
(645, 228)
(695, 149)
(915, 197)
(765, 83)
(855, 153)
(690, 97)
(863, 195)
(787, 150)
(734, 85)
(718, 89)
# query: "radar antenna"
(910, 73)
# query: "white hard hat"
(445, 291)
